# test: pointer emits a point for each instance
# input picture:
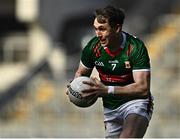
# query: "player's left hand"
(96, 87)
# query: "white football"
(74, 90)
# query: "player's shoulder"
(92, 42)
(134, 45)
(134, 40)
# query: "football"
(74, 90)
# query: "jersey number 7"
(113, 66)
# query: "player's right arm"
(83, 71)
(87, 63)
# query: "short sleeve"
(87, 58)
(140, 57)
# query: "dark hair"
(111, 15)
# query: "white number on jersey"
(113, 66)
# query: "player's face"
(104, 32)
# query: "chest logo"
(98, 63)
(127, 65)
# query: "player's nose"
(98, 34)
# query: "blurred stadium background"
(40, 44)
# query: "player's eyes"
(100, 29)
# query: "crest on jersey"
(127, 65)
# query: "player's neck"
(116, 42)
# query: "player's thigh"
(134, 126)
(113, 127)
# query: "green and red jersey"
(116, 68)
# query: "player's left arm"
(141, 73)
(140, 87)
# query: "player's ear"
(118, 28)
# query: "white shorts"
(114, 119)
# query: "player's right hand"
(68, 87)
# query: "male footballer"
(123, 65)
